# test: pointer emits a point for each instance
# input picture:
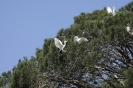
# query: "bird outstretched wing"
(83, 39)
(109, 10)
(58, 43)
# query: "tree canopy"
(104, 61)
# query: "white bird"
(79, 40)
(128, 27)
(111, 11)
(59, 44)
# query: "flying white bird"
(59, 44)
(111, 11)
(79, 40)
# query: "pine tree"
(5, 79)
(105, 61)
(25, 75)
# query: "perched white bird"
(59, 44)
(111, 11)
(128, 27)
(79, 40)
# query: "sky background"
(24, 24)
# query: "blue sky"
(24, 24)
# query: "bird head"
(65, 41)
(76, 37)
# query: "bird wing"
(83, 39)
(58, 43)
(109, 10)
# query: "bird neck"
(113, 10)
(64, 43)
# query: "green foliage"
(109, 43)
(127, 8)
(129, 78)
(5, 79)
(25, 75)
